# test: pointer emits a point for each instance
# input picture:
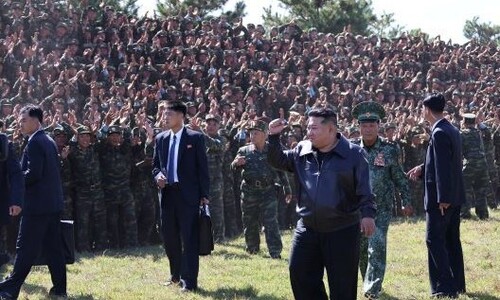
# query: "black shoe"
(441, 295)
(5, 296)
(57, 295)
(371, 296)
(172, 281)
(275, 256)
(252, 251)
(187, 287)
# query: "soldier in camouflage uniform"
(61, 140)
(115, 154)
(489, 152)
(90, 208)
(496, 146)
(150, 144)
(215, 157)
(141, 187)
(414, 150)
(231, 229)
(475, 169)
(386, 175)
(258, 196)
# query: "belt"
(259, 183)
(94, 186)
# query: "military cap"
(136, 131)
(212, 117)
(469, 118)
(156, 130)
(368, 111)
(258, 125)
(83, 130)
(190, 104)
(5, 102)
(114, 129)
(435, 102)
(390, 126)
(352, 129)
(58, 130)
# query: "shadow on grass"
(235, 293)
(155, 251)
(385, 296)
(230, 255)
(482, 296)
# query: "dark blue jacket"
(11, 183)
(331, 196)
(442, 171)
(40, 164)
(192, 167)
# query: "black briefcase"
(68, 243)
(206, 236)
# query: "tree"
(384, 26)
(325, 15)
(483, 32)
(200, 8)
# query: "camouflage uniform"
(215, 157)
(153, 187)
(475, 172)
(116, 163)
(489, 152)
(496, 146)
(414, 155)
(258, 200)
(90, 209)
(143, 194)
(386, 175)
(228, 193)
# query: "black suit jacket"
(11, 183)
(192, 167)
(40, 165)
(443, 167)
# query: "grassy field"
(230, 273)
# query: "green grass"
(230, 273)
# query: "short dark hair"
(33, 111)
(327, 114)
(177, 106)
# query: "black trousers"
(313, 252)
(180, 230)
(37, 232)
(445, 258)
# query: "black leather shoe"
(187, 288)
(172, 281)
(275, 256)
(441, 295)
(57, 296)
(5, 296)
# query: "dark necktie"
(171, 158)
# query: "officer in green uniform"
(61, 139)
(489, 153)
(414, 147)
(90, 208)
(116, 161)
(141, 187)
(258, 195)
(475, 169)
(386, 175)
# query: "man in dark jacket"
(11, 188)
(335, 201)
(43, 203)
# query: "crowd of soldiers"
(103, 79)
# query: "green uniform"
(143, 194)
(116, 163)
(475, 172)
(90, 208)
(258, 200)
(228, 194)
(215, 157)
(489, 152)
(386, 176)
(414, 155)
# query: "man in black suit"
(444, 195)
(181, 172)
(43, 203)
(11, 188)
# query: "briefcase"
(206, 236)
(68, 244)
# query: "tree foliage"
(483, 32)
(325, 15)
(200, 8)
